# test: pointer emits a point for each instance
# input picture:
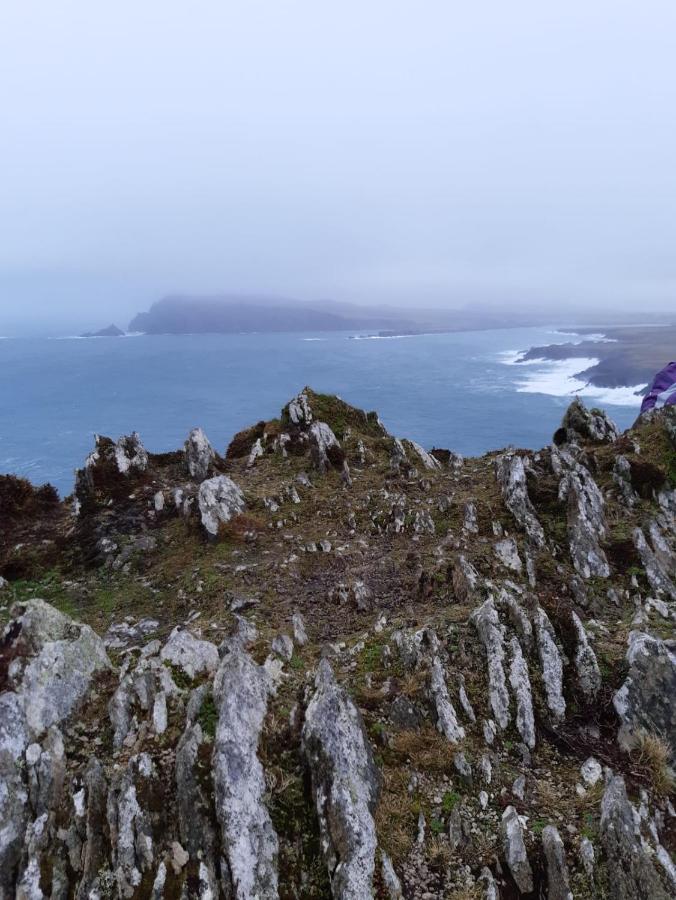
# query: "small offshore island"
(327, 662)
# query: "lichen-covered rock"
(199, 455)
(487, 623)
(195, 821)
(345, 786)
(514, 849)
(551, 663)
(133, 794)
(192, 655)
(645, 702)
(299, 410)
(55, 660)
(558, 879)
(326, 447)
(14, 808)
(447, 719)
(465, 579)
(580, 423)
(586, 515)
(508, 554)
(249, 841)
(219, 499)
(511, 476)
(659, 561)
(130, 454)
(586, 664)
(520, 684)
(628, 858)
(428, 461)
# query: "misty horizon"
(515, 158)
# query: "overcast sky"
(363, 150)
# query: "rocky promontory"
(328, 662)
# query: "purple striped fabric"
(663, 389)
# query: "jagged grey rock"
(550, 662)
(470, 522)
(507, 552)
(447, 719)
(558, 879)
(465, 579)
(586, 664)
(345, 786)
(423, 522)
(657, 559)
(193, 799)
(645, 702)
(487, 623)
(514, 848)
(517, 615)
(520, 684)
(627, 857)
(55, 662)
(587, 424)
(622, 478)
(257, 452)
(249, 841)
(132, 840)
(299, 632)
(130, 454)
(199, 455)
(324, 444)
(94, 852)
(511, 476)
(586, 515)
(282, 645)
(219, 499)
(299, 410)
(190, 654)
(390, 879)
(428, 461)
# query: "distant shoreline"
(627, 355)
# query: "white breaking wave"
(558, 378)
(314, 339)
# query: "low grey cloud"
(381, 152)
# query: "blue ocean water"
(446, 390)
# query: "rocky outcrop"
(586, 664)
(511, 476)
(219, 499)
(192, 655)
(558, 879)
(199, 455)
(447, 719)
(551, 663)
(325, 447)
(629, 859)
(130, 454)
(645, 702)
(521, 688)
(586, 515)
(345, 786)
(250, 844)
(582, 424)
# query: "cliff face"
(329, 662)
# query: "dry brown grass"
(397, 815)
(651, 756)
(428, 750)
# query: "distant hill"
(237, 314)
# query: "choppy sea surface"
(464, 391)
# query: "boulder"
(199, 455)
(219, 499)
(345, 786)
(130, 454)
(645, 702)
(249, 841)
(326, 447)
